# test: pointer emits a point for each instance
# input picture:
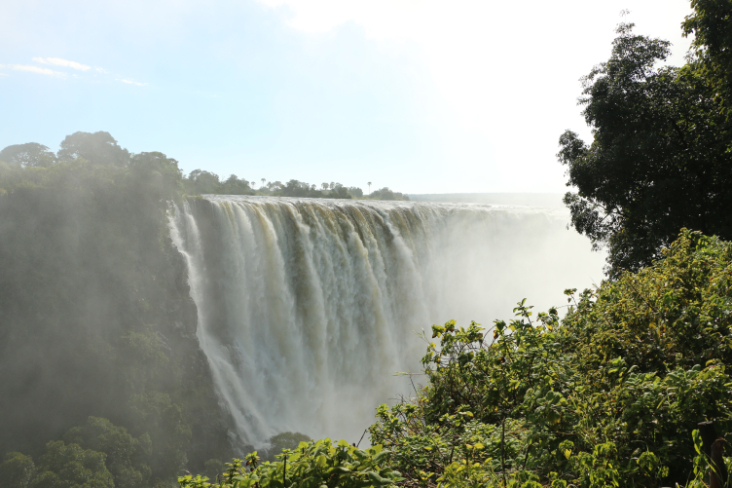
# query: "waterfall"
(307, 309)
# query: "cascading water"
(308, 308)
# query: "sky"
(420, 96)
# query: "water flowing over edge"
(307, 308)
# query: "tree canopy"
(711, 55)
(98, 147)
(660, 158)
(29, 155)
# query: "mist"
(97, 330)
(166, 331)
(308, 308)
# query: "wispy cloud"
(41, 70)
(132, 82)
(62, 62)
(37, 69)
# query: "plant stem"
(503, 451)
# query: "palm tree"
(369, 183)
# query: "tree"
(339, 191)
(384, 194)
(28, 155)
(711, 56)
(275, 185)
(295, 188)
(99, 148)
(203, 183)
(67, 466)
(17, 470)
(658, 161)
(155, 177)
(126, 456)
(235, 186)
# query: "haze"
(420, 96)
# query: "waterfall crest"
(307, 308)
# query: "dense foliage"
(609, 395)
(96, 322)
(711, 56)
(316, 464)
(660, 159)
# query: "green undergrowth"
(310, 465)
(609, 395)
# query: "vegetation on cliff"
(96, 322)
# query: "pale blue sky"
(418, 95)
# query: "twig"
(526, 457)
(414, 387)
(359, 441)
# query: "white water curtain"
(308, 308)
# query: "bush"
(612, 392)
(311, 465)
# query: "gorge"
(308, 309)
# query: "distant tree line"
(200, 182)
(101, 146)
